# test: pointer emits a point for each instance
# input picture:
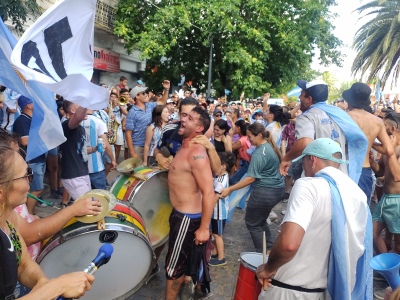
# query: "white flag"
(57, 52)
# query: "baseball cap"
(24, 101)
(139, 82)
(217, 111)
(257, 112)
(136, 90)
(317, 89)
(170, 101)
(323, 148)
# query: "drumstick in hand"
(265, 282)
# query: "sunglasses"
(218, 115)
(143, 93)
(29, 175)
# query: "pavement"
(224, 278)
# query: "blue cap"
(24, 101)
(317, 89)
(323, 148)
(139, 82)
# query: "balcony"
(104, 18)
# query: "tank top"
(219, 146)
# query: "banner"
(45, 131)
(57, 52)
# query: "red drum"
(247, 286)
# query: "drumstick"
(265, 282)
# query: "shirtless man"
(191, 192)
(388, 208)
(373, 127)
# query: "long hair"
(242, 125)
(279, 116)
(6, 177)
(156, 115)
(222, 124)
(257, 128)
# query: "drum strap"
(277, 283)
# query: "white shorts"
(274, 292)
(77, 187)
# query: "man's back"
(372, 127)
(315, 123)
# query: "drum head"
(125, 273)
(251, 260)
(151, 199)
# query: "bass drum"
(77, 244)
(150, 196)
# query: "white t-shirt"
(309, 206)
(315, 123)
(275, 129)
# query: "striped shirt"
(221, 209)
(94, 128)
(138, 120)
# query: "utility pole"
(210, 68)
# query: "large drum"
(150, 196)
(77, 244)
(247, 286)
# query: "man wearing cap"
(373, 127)
(139, 117)
(322, 120)
(38, 165)
(325, 240)
(173, 115)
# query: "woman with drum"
(268, 184)
(159, 119)
(221, 138)
(15, 263)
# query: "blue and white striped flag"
(378, 91)
(45, 131)
(294, 92)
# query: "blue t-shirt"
(264, 167)
(138, 120)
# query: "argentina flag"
(46, 131)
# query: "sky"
(346, 23)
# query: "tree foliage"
(258, 45)
(18, 11)
(378, 41)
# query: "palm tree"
(378, 41)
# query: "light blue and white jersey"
(94, 128)
(221, 209)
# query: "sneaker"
(214, 256)
(215, 262)
(380, 293)
(55, 195)
(187, 292)
(200, 295)
(60, 205)
(153, 273)
(40, 204)
(272, 216)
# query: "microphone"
(165, 152)
(102, 257)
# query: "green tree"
(18, 11)
(378, 41)
(258, 45)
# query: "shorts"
(217, 226)
(181, 238)
(77, 187)
(366, 182)
(53, 152)
(106, 158)
(38, 176)
(388, 211)
(98, 180)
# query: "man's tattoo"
(198, 157)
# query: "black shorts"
(217, 226)
(181, 238)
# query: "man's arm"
(108, 150)
(211, 152)
(386, 143)
(283, 147)
(283, 251)
(77, 118)
(166, 85)
(202, 173)
(265, 101)
(295, 152)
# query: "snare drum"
(150, 197)
(247, 286)
(77, 244)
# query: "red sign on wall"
(106, 60)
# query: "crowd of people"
(327, 161)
